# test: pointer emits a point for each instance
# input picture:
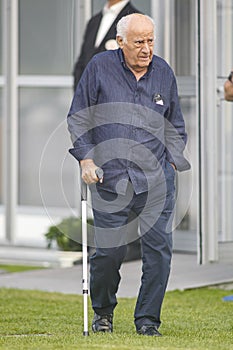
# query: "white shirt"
(109, 16)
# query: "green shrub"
(68, 234)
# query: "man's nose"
(146, 47)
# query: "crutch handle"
(83, 191)
(99, 173)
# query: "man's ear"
(120, 41)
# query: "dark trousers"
(155, 213)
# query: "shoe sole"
(103, 329)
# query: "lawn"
(19, 268)
(194, 319)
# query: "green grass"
(195, 319)
(19, 268)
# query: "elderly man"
(125, 118)
(228, 87)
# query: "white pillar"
(10, 115)
(82, 13)
(207, 118)
(163, 14)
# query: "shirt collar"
(116, 9)
(150, 68)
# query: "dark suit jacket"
(88, 46)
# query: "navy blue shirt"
(129, 128)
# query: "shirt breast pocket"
(160, 109)
(158, 104)
(155, 117)
(152, 120)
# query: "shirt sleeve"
(79, 118)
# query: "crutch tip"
(86, 334)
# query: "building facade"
(39, 182)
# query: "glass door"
(225, 129)
(215, 60)
(182, 57)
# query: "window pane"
(188, 106)
(43, 147)
(225, 37)
(225, 122)
(143, 6)
(225, 165)
(1, 33)
(1, 151)
(186, 208)
(97, 5)
(45, 34)
(185, 37)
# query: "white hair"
(123, 24)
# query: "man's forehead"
(141, 33)
(140, 27)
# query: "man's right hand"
(88, 171)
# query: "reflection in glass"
(189, 179)
(184, 238)
(45, 36)
(43, 147)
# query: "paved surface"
(185, 274)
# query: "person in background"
(100, 33)
(125, 117)
(228, 87)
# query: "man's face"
(139, 45)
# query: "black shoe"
(102, 323)
(149, 329)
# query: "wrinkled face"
(139, 45)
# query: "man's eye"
(141, 42)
